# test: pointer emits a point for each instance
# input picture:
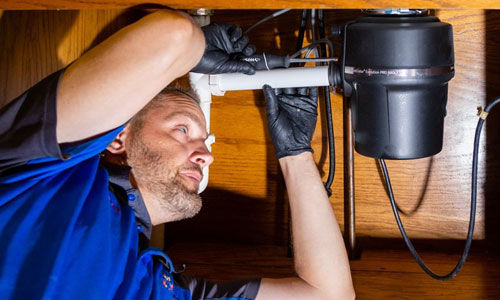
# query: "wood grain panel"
(381, 273)
(434, 192)
(35, 44)
(248, 4)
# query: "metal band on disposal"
(397, 12)
(404, 73)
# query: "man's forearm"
(105, 87)
(320, 255)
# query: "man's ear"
(117, 146)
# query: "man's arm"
(320, 257)
(107, 85)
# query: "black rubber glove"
(224, 44)
(291, 117)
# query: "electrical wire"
(328, 109)
(313, 32)
(470, 232)
(302, 29)
(321, 42)
(313, 48)
(273, 15)
(313, 45)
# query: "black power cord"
(482, 118)
(326, 91)
(302, 29)
(328, 109)
(295, 58)
(271, 16)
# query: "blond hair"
(178, 87)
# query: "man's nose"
(201, 156)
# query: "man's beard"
(151, 170)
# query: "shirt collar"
(119, 175)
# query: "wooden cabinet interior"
(245, 201)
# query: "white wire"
(299, 60)
(265, 61)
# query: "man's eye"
(183, 129)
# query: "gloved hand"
(291, 117)
(224, 43)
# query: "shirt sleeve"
(28, 140)
(245, 289)
(28, 125)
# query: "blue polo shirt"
(64, 233)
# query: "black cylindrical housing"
(396, 70)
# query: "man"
(68, 218)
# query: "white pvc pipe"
(277, 78)
(199, 83)
(206, 85)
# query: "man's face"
(167, 154)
